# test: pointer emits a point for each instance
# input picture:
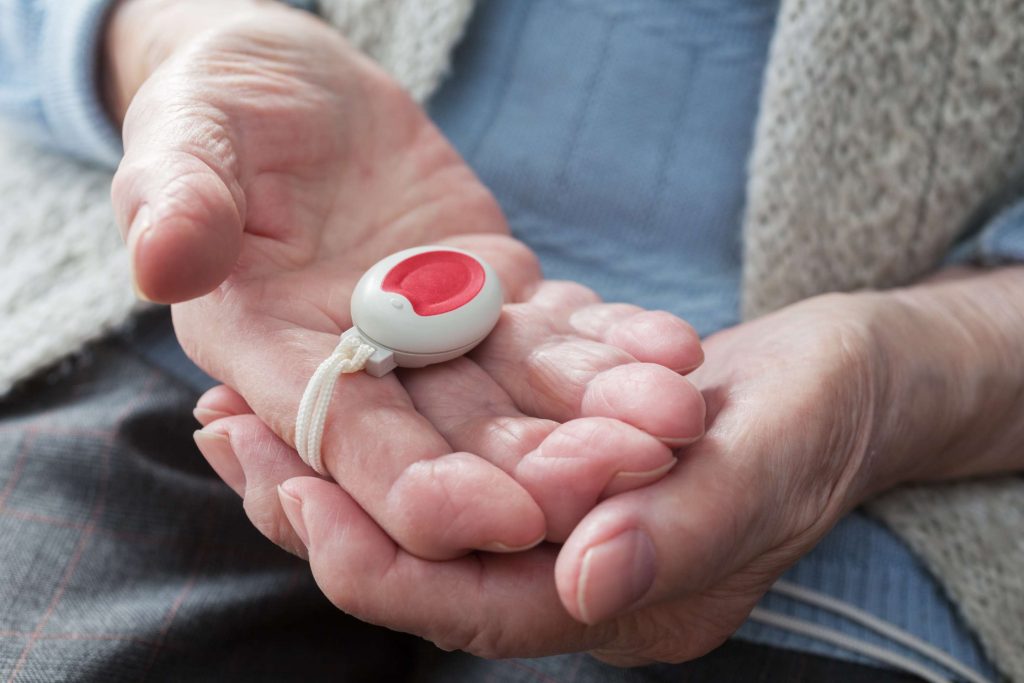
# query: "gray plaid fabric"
(125, 559)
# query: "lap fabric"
(126, 559)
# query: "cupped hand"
(664, 572)
(267, 165)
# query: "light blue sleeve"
(49, 57)
(49, 75)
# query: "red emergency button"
(436, 282)
(424, 305)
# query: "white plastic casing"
(389, 321)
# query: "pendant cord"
(351, 355)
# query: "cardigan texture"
(884, 128)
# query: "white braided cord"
(350, 355)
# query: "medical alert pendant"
(415, 308)
(423, 306)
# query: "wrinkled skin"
(791, 401)
(267, 165)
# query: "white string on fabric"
(846, 642)
(350, 355)
(877, 625)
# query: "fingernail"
(205, 416)
(649, 474)
(292, 506)
(216, 448)
(687, 369)
(139, 227)
(497, 547)
(625, 481)
(677, 442)
(614, 575)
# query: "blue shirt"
(615, 135)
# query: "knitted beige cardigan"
(883, 126)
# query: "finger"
(649, 336)
(558, 377)
(473, 413)
(489, 605)
(435, 503)
(584, 461)
(253, 461)
(565, 468)
(177, 195)
(220, 401)
(561, 296)
(701, 523)
(649, 397)
(216, 448)
(515, 263)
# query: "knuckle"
(659, 322)
(565, 293)
(597, 319)
(426, 511)
(558, 379)
(506, 434)
(490, 642)
(581, 438)
(487, 645)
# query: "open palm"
(792, 398)
(267, 166)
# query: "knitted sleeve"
(49, 75)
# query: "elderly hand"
(665, 572)
(267, 165)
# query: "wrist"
(910, 393)
(950, 380)
(866, 391)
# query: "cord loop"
(350, 355)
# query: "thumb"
(177, 198)
(664, 541)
